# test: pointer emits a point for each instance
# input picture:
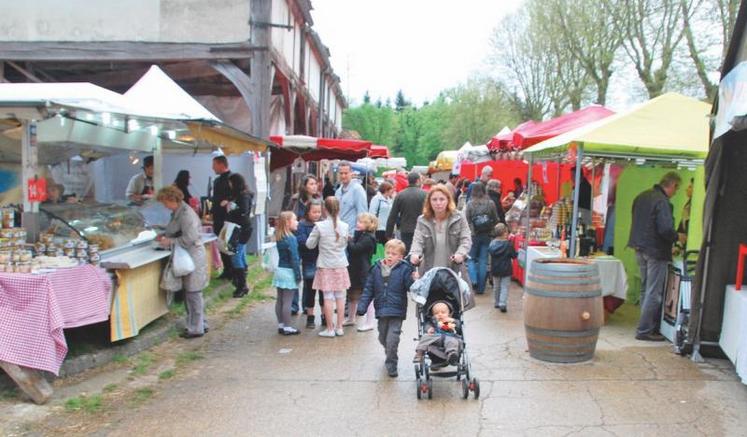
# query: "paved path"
(256, 382)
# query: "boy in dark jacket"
(308, 260)
(387, 285)
(360, 250)
(501, 254)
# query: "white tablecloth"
(733, 339)
(611, 270)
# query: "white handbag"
(182, 263)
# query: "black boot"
(239, 277)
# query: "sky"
(421, 47)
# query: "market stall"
(49, 123)
(668, 132)
(719, 315)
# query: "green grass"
(188, 357)
(143, 363)
(167, 374)
(626, 315)
(110, 388)
(142, 395)
(8, 394)
(120, 358)
(84, 403)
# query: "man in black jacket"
(406, 208)
(652, 235)
(221, 192)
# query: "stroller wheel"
(430, 389)
(465, 389)
(475, 385)
(418, 388)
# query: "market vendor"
(652, 235)
(140, 187)
(584, 197)
(55, 194)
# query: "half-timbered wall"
(215, 21)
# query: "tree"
(707, 14)
(400, 102)
(521, 59)
(374, 123)
(578, 30)
(651, 31)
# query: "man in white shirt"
(140, 187)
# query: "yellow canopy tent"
(671, 128)
(446, 159)
(671, 125)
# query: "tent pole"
(157, 165)
(29, 171)
(574, 219)
(527, 227)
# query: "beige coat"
(424, 241)
(184, 229)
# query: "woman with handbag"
(184, 230)
(239, 208)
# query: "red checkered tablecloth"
(34, 309)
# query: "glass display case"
(108, 225)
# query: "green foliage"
(474, 111)
(142, 395)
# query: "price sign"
(37, 189)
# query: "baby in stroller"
(442, 338)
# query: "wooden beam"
(24, 72)
(31, 381)
(126, 77)
(112, 51)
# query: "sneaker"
(392, 373)
(453, 358)
(327, 333)
(348, 322)
(502, 308)
(650, 337)
(289, 330)
(310, 322)
(339, 332)
(365, 328)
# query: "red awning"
(378, 152)
(315, 149)
(531, 132)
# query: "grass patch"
(110, 388)
(188, 357)
(119, 358)
(143, 363)
(142, 395)
(84, 403)
(167, 374)
(8, 394)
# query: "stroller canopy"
(442, 284)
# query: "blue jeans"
(238, 259)
(478, 263)
(653, 279)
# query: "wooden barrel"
(563, 309)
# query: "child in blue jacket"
(387, 285)
(288, 274)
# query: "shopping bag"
(379, 254)
(169, 282)
(270, 258)
(228, 238)
(181, 262)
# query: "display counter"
(124, 235)
(733, 340)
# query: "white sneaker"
(339, 332)
(327, 333)
(348, 322)
(365, 328)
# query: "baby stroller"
(442, 284)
